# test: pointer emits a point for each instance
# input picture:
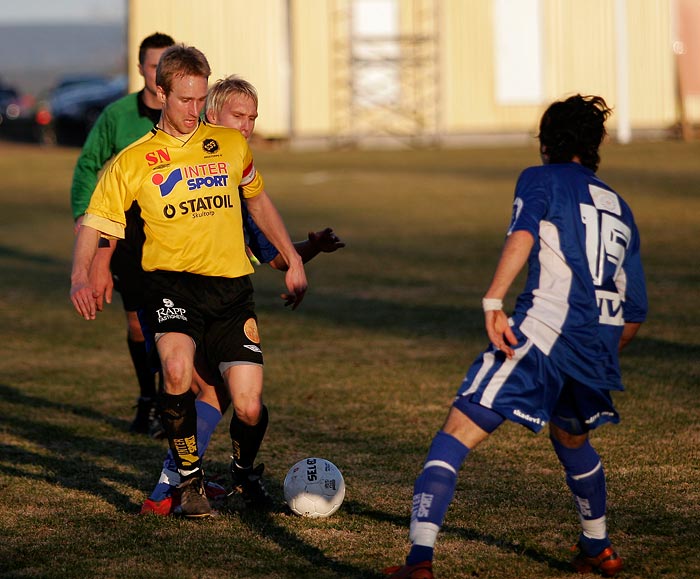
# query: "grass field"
(361, 374)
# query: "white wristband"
(491, 304)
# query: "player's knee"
(566, 439)
(177, 378)
(207, 394)
(249, 412)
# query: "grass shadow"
(72, 460)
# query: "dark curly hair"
(574, 127)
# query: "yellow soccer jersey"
(188, 194)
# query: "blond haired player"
(233, 102)
(185, 176)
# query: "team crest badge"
(210, 146)
(250, 329)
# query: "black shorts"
(218, 313)
(126, 262)
(128, 276)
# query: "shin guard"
(246, 439)
(433, 492)
(179, 419)
(586, 479)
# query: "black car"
(68, 112)
(9, 103)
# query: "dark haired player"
(555, 360)
(120, 124)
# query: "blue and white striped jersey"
(585, 276)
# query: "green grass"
(362, 374)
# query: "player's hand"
(325, 241)
(100, 278)
(295, 279)
(83, 298)
(499, 331)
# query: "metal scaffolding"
(386, 83)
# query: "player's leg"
(250, 416)
(586, 480)
(493, 388)
(210, 403)
(213, 400)
(434, 488)
(232, 346)
(128, 281)
(248, 426)
(145, 375)
(176, 352)
(179, 418)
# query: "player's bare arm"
(100, 275)
(628, 333)
(270, 223)
(513, 258)
(81, 293)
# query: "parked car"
(9, 103)
(67, 113)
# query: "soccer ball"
(314, 487)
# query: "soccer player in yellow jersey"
(233, 102)
(185, 176)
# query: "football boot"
(249, 484)
(193, 498)
(422, 570)
(608, 562)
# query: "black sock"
(161, 385)
(246, 440)
(140, 358)
(178, 414)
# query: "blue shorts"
(530, 390)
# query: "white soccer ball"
(314, 487)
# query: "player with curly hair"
(555, 359)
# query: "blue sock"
(593, 547)
(207, 419)
(162, 490)
(586, 479)
(432, 494)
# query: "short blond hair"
(222, 90)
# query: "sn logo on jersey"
(159, 156)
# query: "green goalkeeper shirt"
(120, 124)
